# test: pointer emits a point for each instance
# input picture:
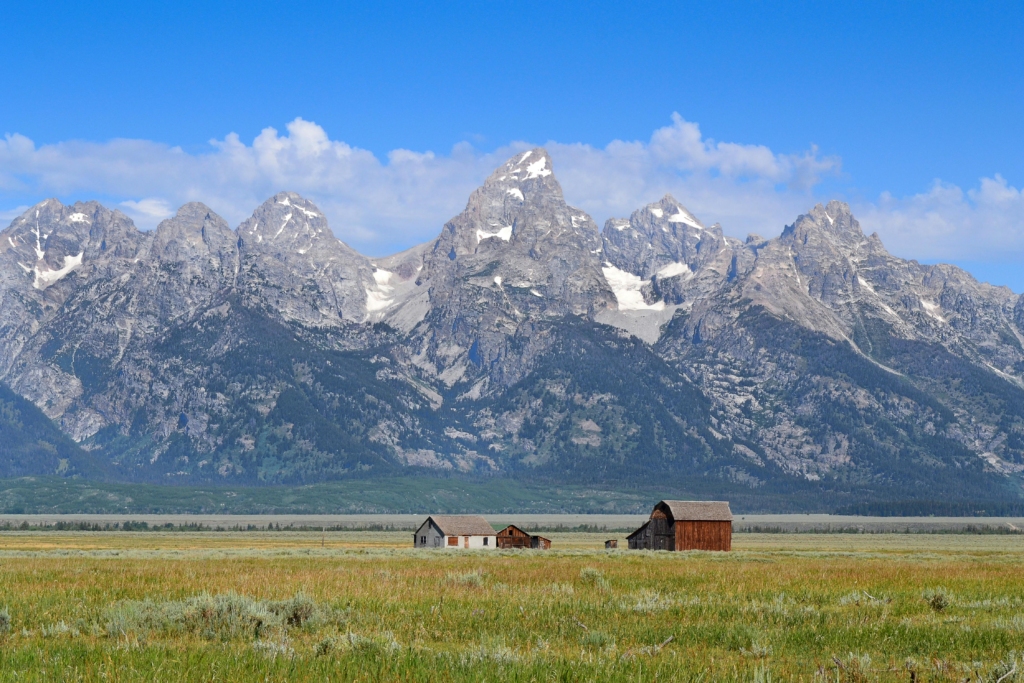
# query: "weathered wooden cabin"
(455, 531)
(514, 537)
(685, 525)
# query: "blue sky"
(910, 111)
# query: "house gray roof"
(698, 510)
(462, 525)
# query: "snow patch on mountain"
(932, 309)
(626, 288)
(503, 234)
(673, 269)
(682, 216)
(46, 277)
(538, 169)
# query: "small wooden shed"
(685, 525)
(514, 537)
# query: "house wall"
(473, 542)
(434, 539)
(703, 536)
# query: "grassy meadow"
(351, 605)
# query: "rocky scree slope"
(523, 340)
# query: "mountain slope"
(814, 366)
(30, 444)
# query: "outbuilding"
(685, 525)
(514, 537)
(455, 531)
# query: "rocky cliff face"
(521, 340)
(517, 258)
(294, 266)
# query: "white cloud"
(380, 206)
(149, 209)
(11, 214)
(946, 223)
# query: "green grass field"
(154, 606)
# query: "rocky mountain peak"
(662, 239)
(196, 234)
(520, 205)
(317, 279)
(196, 352)
(50, 240)
(833, 223)
(517, 255)
(529, 171)
(286, 221)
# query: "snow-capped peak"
(538, 169)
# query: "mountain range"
(524, 342)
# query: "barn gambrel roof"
(697, 510)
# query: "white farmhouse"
(455, 531)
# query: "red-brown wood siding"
(513, 537)
(703, 535)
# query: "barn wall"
(703, 536)
(657, 535)
(513, 538)
(660, 533)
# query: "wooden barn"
(514, 537)
(685, 525)
(454, 531)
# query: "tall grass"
(931, 612)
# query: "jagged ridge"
(275, 352)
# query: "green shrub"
(593, 577)
(474, 579)
(223, 617)
(937, 599)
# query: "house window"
(423, 540)
(486, 540)
(453, 540)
